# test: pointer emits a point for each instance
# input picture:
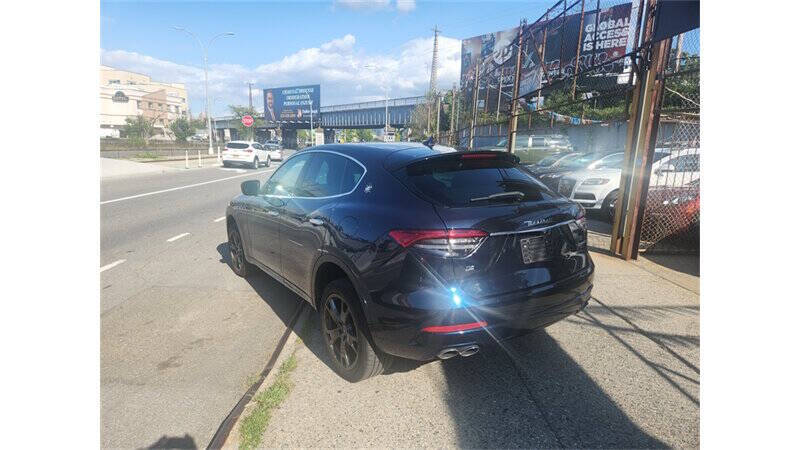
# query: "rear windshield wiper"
(499, 196)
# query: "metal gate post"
(640, 145)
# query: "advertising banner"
(493, 55)
(291, 105)
(551, 46)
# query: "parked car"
(248, 153)
(581, 161)
(275, 151)
(479, 252)
(673, 209)
(597, 189)
(532, 148)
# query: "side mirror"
(251, 187)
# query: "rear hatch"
(506, 231)
(237, 149)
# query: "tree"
(364, 135)
(182, 128)
(238, 112)
(139, 129)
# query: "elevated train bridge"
(364, 115)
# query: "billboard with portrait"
(292, 105)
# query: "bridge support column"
(330, 136)
(289, 136)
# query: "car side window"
(611, 161)
(687, 163)
(283, 182)
(324, 176)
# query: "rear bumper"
(398, 330)
(238, 160)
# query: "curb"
(233, 438)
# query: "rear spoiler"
(459, 155)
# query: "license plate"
(533, 248)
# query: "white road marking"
(295, 242)
(183, 187)
(220, 219)
(114, 264)
(175, 238)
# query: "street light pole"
(311, 120)
(204, 49)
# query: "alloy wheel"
(340, 331)
(235, 247)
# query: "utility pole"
(512, 124)
(499, 93)
(474, 114)
(250, 93)
(435, 61)
(452, 114)
(438, 115)
(678, 52)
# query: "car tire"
(236, 256)
(225, 164)
(342, 326)
(256, 163)
(269, 161)
(608, 205)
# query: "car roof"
(242, 142)
(391, 154)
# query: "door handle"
(272, 213)
(316, 222)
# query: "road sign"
(247, 121)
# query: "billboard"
(552, 46)
(291, 105)
(493, 55)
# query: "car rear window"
(456, 182)
(238, 145)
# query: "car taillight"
(248, 150)
(446, 243)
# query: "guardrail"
(405, 101)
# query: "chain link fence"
(576, 84)
(671, 221)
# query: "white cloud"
(362, 4)
(403, 6)
(337, 65)
(406, 5)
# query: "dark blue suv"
(414, 252)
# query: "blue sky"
(300, 42)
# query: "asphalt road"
(181, 336)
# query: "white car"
(274, 150)
(249, 153)
(597, 189)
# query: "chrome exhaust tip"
(447, 353)
(469, 350)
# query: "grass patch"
(253, 426)
(148, 155)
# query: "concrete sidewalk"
(114, 168)
(622, 373)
